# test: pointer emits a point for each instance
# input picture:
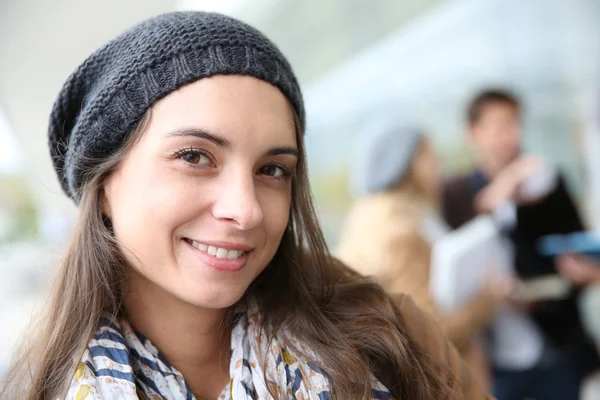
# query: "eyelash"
(179, 154)
(286, 174)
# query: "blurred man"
(549, 355)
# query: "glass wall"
(548, 51)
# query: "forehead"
(499, 108)
(241, 108)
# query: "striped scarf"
(120, 363)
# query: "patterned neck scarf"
(119, 363)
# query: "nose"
(237, 201)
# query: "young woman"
(197, 268)
(390, 230)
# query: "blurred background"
(419, 60)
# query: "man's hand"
(505, 186)
(579, 269)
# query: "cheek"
(483, 140)
(433, 172)
(276, 214)
(488, 136)
(427, 172)
(145, 211)
(513, 138)
(494, 142)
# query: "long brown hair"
(348, 320)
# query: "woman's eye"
(194, 157)
(274, 171)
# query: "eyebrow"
(226, 144)
(275, 151)
(202, 134)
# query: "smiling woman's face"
(201, 202)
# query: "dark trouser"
(559, 380)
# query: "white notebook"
(463, 259)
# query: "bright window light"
(10, 157)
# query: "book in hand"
(579, 243)
(463, 260)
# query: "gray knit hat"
(383, 154)
(104, 99)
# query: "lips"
(218, 252)
(221, 256)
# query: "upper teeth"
(217, 251)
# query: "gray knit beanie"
(383, 155)
(104, 99)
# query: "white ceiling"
(41, 42)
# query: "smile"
(218, 252)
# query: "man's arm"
(555, 213)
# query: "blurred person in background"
(499, 185)
(584, 272)
(197, 268)
(390, 230)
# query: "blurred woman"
(390, 230)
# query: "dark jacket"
(558, 320)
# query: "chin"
(213, 298)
